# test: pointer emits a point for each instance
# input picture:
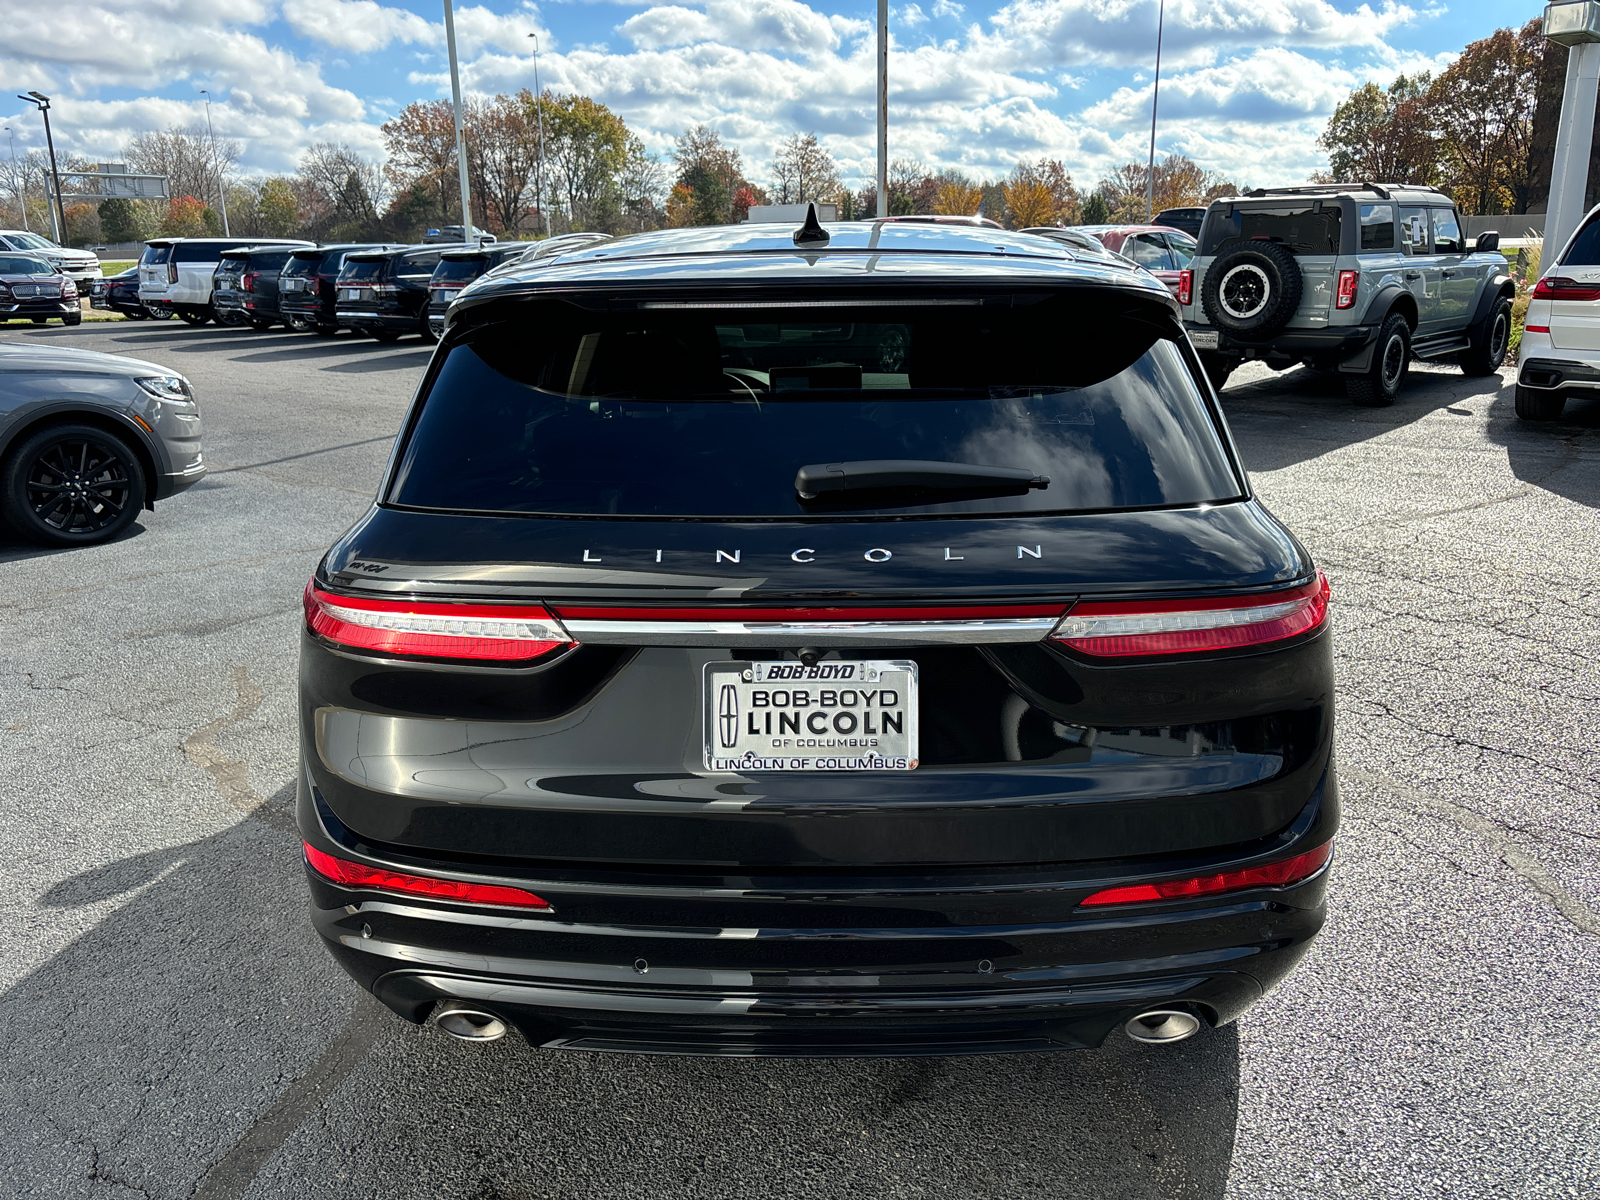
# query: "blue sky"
(979, 84)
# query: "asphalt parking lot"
(173, 1029)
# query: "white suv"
(80, 266)
(175, 273)
(1560, 349)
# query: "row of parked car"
(381, 289)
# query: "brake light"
(1119, 629)
(172, 271)
(1553, 287)
(247, 283)
(358, 875)
(1185, 288)
(1347, 289)
(511, 633)
(1278, 874)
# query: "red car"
(1163, 251)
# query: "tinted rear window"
(198, 251)
(233, 266)
(271, 262)
(362, 270)
(1585, 250)
(155, 255)
(1302, 229)
(459, 270)
(712, 413)
(303, 264)
(417, 264)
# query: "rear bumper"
(368, 318)
(1350, 345)
(1555, 374)
(976, 962)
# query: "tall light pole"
(22, 193)
(538, 100)
(1155, 99)
(42, 103)
(216, 161)
(461, 131)
(1577, 27)
(883, 108)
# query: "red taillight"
(1186, 288)
(1553, 287)
(1278, 874)
(1347, 289)
(247, 283)
(357, 875)
(1536, 329)
(1194, 626)
(511, 633)
(172, 271)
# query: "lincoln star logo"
(728, 714)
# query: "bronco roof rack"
(1381, 190)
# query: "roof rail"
(1381, 190)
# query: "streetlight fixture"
(42, 102)
(1155, 99)
(22, 194)
(538, 100)
(461, 131)
(216, 161)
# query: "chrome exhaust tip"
(469, 1024)
(1162, 1026)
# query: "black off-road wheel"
(1488, 351)
(1252, 289)
(1391, 363)
(1540, 404)
(71, 485)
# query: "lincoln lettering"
(846, 712)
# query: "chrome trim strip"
(809, 633)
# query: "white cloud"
(359, 25)
(911, 15)
(784, 26)
(947, 8)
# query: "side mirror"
(1487, 241)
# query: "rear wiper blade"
(881, 474)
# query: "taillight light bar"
(502, 633)
(1124, 628)
(359, 875)
(1186, 287)
(730, 625)
(247, 283)
(1279, 874)
(172, 271)
(1347, 289)
(1554, 287)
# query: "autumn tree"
(957, 198)
(1041, 193)
(803, 170)
(1096, 211)
(186, 155)
(421, 142)
(1482, 106)
(185, 217)
(340, 193)
(276, 209)
(711, 172)
(1383, 134)
(502, 157)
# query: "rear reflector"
(1193, 626)
(1536, 329)
(1278, 874)
(357, 875)
(491, 632)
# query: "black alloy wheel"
(1252, 289)
(159, 314)
(195, 316)
(1540, 404)
(1488, 351)
(72, 319)
(1391, 362)
(261, 324)
(326, 330)
(70, 485)
(426, 330)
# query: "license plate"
(353, 294)
(293, 285)
(832, 716)
(1203, 340)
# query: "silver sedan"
(88, 440)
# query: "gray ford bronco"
(1356, 278)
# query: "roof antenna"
(811, 233)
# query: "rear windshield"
(417, 264)
(712, 413)
(198, 251)
(1585, 250)
(1303, 229)
(155, 255)
(362, 270)
(459, 270)
(304, 264)
(233, 266)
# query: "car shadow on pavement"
(1300, 414)
(15, 548)
(163, 1047)
(304, 351)
(399, 361)
(1562, 456)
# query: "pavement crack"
(1525, 865)
(232, 776)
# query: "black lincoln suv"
(456, 269)
(385, 292)
(852, 640)
(307, 286)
